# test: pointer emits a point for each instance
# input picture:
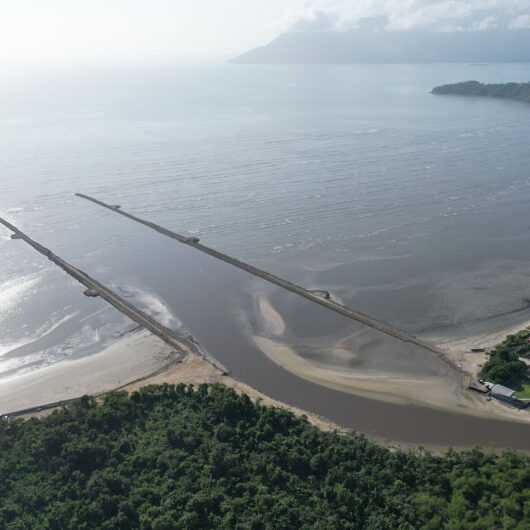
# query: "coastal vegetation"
(518, 91)
(178, 457)
(505, 364)
(521, 385)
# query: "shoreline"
(459, 342)
(195, 370)
(141, 359)
(441, 392)
(129, 358)
(153, 362)
(394, 390)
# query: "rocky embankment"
(518, 91)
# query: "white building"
(502, 392)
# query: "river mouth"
(348, 178)
(292, 349)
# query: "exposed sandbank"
(344, 365)
(385, 386)
(141, 359)
(274, 322)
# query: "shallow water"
(407, 206)
(224, 319)
(352, 177)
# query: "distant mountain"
(371, 46)
(519, 91)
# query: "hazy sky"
(70, 30)
(43, 31)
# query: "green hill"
(174, 457)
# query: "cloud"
(315, 20)
(485, 24)
(443, 15)
(521, 22)
(434, 15)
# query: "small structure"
(321, 293)
(16, 236)
(502, 392)
(91, 293)
(476, 386)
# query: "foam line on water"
(12, 291)
(155, 307)
(48, 327)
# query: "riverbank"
(422, 426)
(460, 342)
(396, 410)
(371, 366)
(137, 360)
(195, 370)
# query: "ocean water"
(408, 206)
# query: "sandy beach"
(132, 357)
(458, 342)
(135, 361)
(140, 359)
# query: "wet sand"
(134, 356)
(388, 423)
(397, 376)
(382, 417)
(459, 341)
(133, 362)
(383, 386)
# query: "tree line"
(178, 457)
(505, 360)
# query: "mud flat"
(361, 360)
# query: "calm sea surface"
(408, 206)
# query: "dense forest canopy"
(505, 360)
(175, 457)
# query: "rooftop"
(504, 391)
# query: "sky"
(102, 31)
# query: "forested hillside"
(183, 458)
